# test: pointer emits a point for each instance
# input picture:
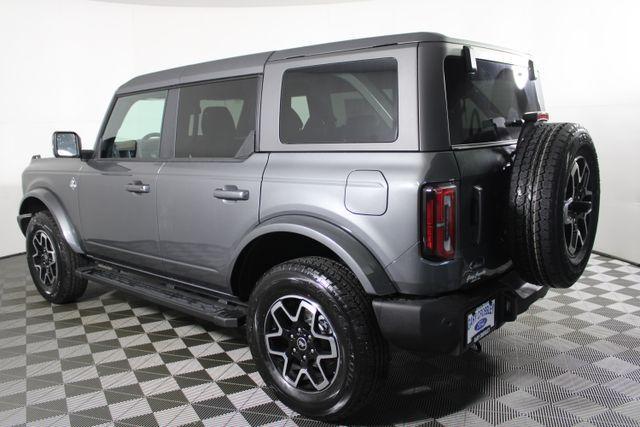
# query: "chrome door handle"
(231, 192)
(138, 187)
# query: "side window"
(217, 119)
(134, 127)
(348, 102)
(300, 106)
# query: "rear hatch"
(485, 100)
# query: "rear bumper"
(438, 324)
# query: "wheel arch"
(40, 199)
(318, 237)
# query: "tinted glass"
(349, 102)
(134, 127)
(217, 119)
(485, 106)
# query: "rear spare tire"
(553, 203)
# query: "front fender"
(353, 253)
(49, 199)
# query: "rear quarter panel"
(314, 184)
(313, 179)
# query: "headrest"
(218, 122)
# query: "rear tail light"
(535, 116)
(438, 217)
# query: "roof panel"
(347, 45)
(254, 64)
(222, 68)
(238, 66)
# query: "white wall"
(61, 60)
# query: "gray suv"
(337, 199)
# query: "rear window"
(349, 102)
(486, 106)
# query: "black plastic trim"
(217, 311)
(438, 325)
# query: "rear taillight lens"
(535, 116)
(438, 217)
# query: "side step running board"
(214, 310)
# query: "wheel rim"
(302, 344)
(578, 204)
(45, 260)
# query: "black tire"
(362, 352)
(60, 285)
(544, 168)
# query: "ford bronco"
(338, 198)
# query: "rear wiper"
(494, 123)
(501, 122)
(517, 123)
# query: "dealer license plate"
(481, 321)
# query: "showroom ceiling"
(228, 3)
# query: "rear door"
(117, 189)
(484, 111)
(209, 192)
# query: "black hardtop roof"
(254, 63)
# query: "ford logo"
(481, 324)
(301, 343)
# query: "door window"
(348, 102)
(135, 126)
(217, 119)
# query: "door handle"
(231, 192)
(138, 187)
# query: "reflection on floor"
(573, 358)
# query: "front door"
(117, 189)
(209, 193)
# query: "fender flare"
(354, 254)
(51, 201)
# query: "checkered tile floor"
(573, 359)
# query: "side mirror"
(66, 144)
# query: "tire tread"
(71, 287)
(369, 361)
(539, 165)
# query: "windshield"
(487, 106)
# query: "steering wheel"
(148, 136)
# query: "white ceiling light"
(228, 3)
